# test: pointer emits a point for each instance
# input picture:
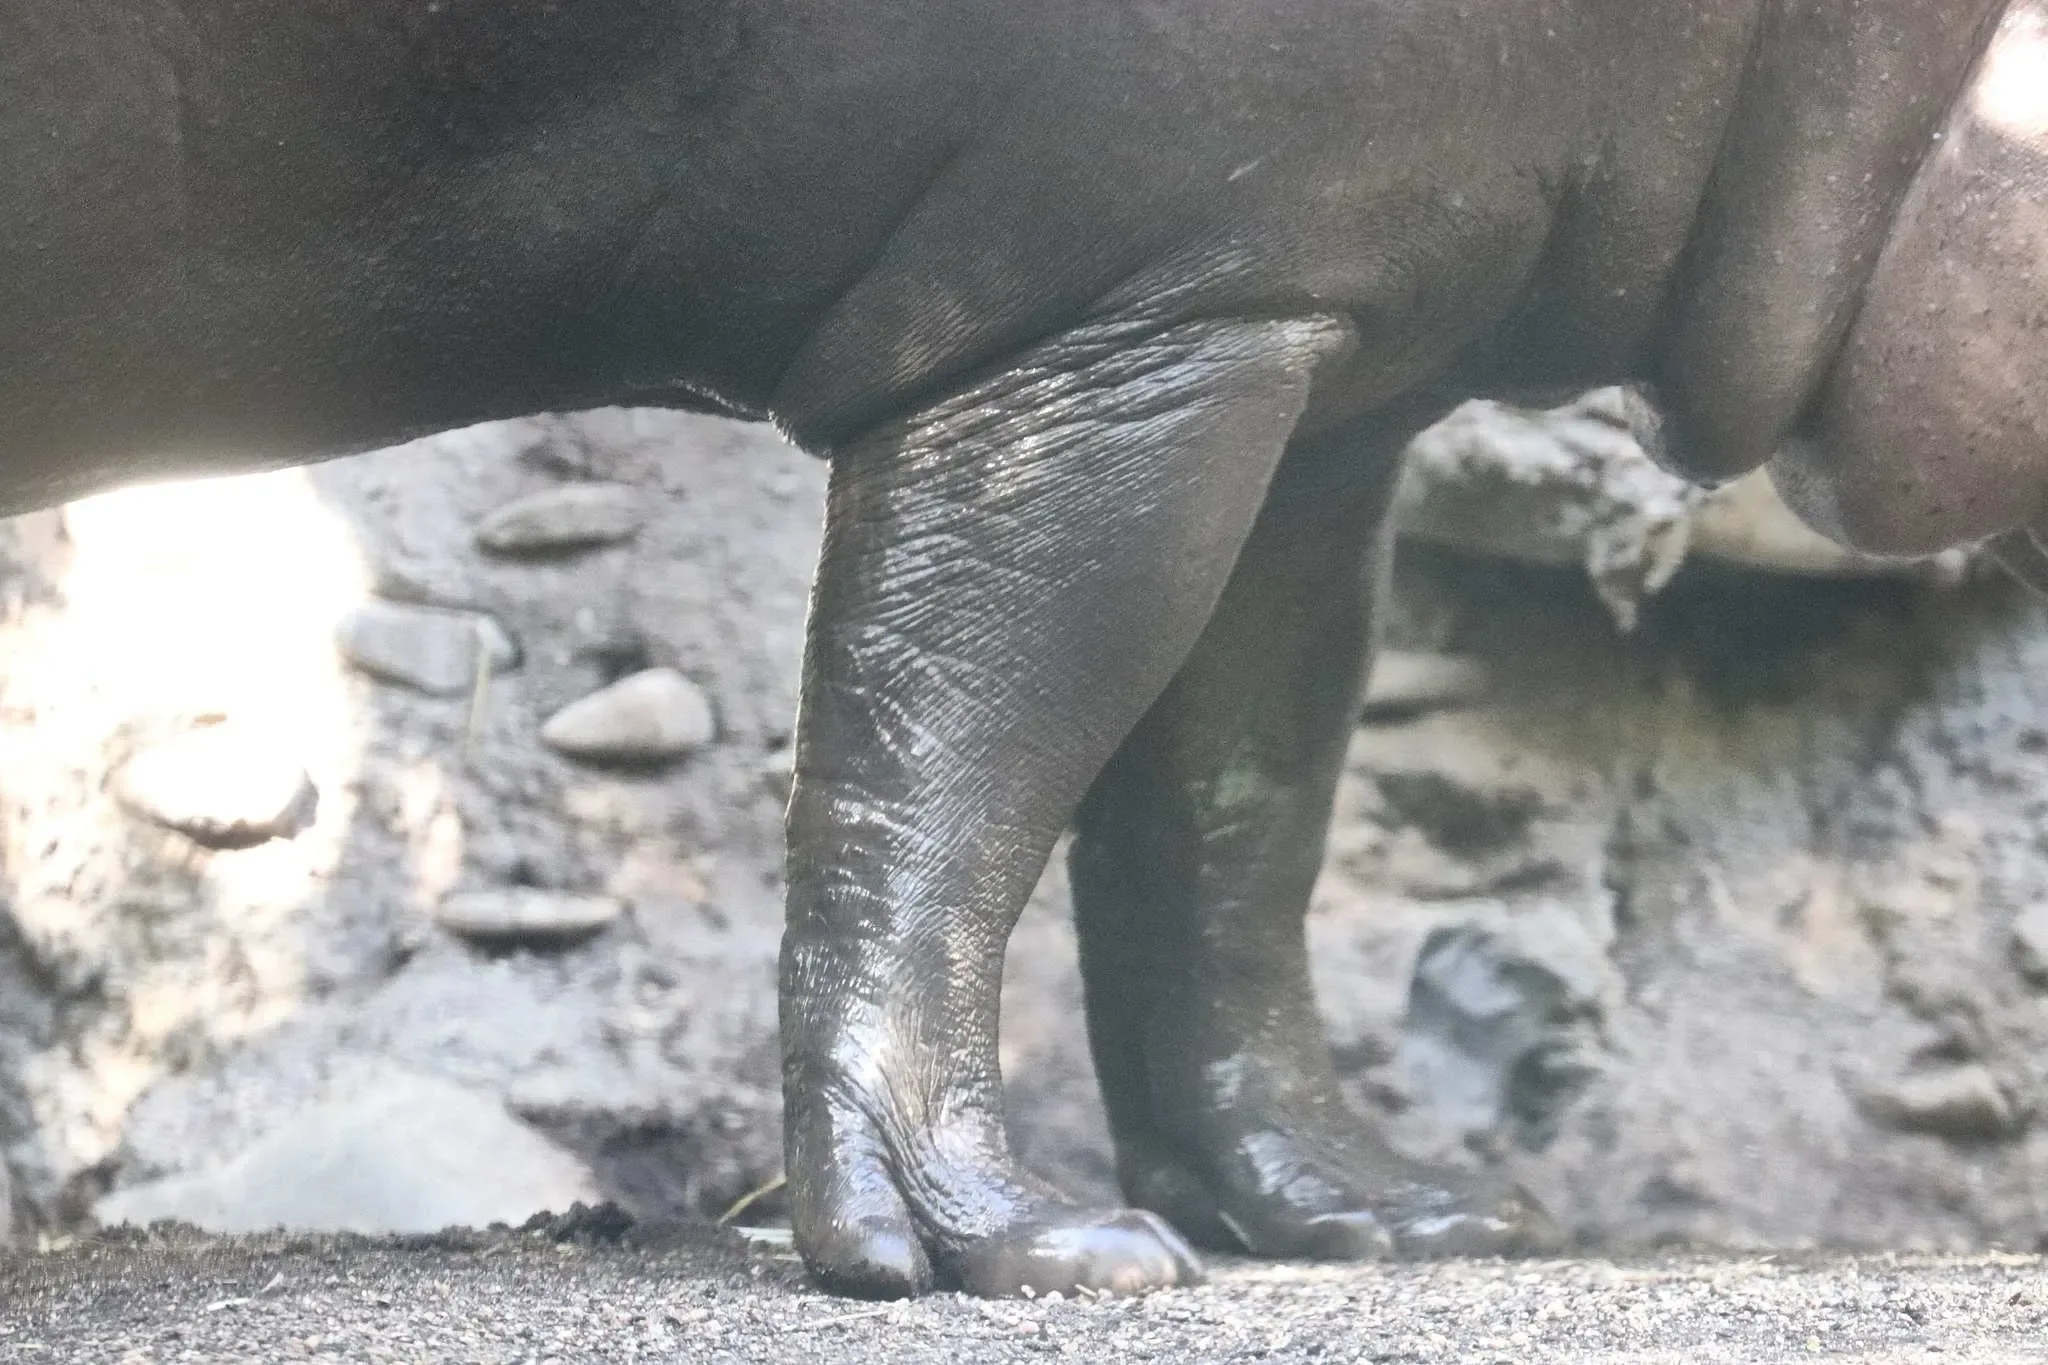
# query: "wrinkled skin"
(1112, 319)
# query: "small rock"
(573, 517)
(517, 914)
(1406, 681)
(2030, 945)
(405, 1152)
(428, 649)
(645, 717)
(1962, 1102)
(220, 787)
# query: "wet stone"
(573, 517)
(428, 649)
(525, 914)
(221, 787)
(646, 717)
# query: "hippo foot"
(1324, 1191)
(1056, 1249)
(879, 1220)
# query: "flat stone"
(1963, 1102)
(645, 717)
(1408, 681)
(402, 1152)
(428, 649)
(516, 914)
(222, 787)
(2030, 945)
(573, 517)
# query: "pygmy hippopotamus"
(1112, 320)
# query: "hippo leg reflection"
(1198, 846)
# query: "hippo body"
(1113, 321)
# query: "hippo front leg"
(1008, 580)
(1199, 845)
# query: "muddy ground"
(1730, 931)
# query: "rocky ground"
(541, 1296)
(1728, 929)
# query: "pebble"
(221, 787)
(2030, 945)
(517, 914)
(573, 517)
(644, 717)
(428, 649)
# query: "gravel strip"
(577, 1290)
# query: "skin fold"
(1112, 321)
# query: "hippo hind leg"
(1197, 849)
(1009, 579)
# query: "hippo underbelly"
(153, 334)
(226, 242)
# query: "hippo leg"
(1009, 579)
(1198, 847)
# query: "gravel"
(586, 1288)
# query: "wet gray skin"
(1112, 320)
